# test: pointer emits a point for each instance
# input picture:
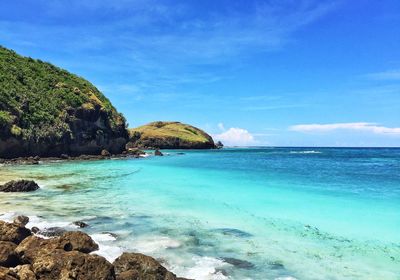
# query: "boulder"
(13, 233)
(7, 274)
(64, 156)
(105, 153)
(21, 220)
(19, 186)
(24, 272)
(72, 265)
(33, 247)
(80, 224)
(158, 153)
(8, 256)
(141, 266)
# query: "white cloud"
(358, 126)
(385, 75)
(235, 136)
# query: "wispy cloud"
(357, 126)
(390, 75)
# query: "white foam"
(306, 152)
(203, 268)
(155, 243)
(102, 237)
(286, 278)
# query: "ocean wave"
(305, 152)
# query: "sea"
(235, 213)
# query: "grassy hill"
(170, 135)
(45, 110)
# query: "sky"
(249, 72)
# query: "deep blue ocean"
(236, 213)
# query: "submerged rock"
(12, 232)
(52, 231)
(239, 263)
(158, 153)
(8, 256)
(234, 232)
(19, 186)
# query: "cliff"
(169, 135)
(47, 111)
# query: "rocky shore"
(25, 255)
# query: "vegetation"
(35, 98)
(170, 135)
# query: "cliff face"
(169, 135)
(47, 111)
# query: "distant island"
(47, 111)
(170, 135)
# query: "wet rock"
(7, 274)
(19, 186)
(35, 230)
(24, 272)
(21, 220)
(72, 265)
(80, 224)
(8, 256)
(158, 153)
(105, 153)
(12, 232)
(64, 156)
(144, 267)
(239, 263)
(52, 231)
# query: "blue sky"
(250, 72)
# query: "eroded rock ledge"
(25, 256)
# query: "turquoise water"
(290, 213)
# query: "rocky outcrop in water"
(19, 186)
(24, 256)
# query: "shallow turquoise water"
(289, 212)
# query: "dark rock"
(239, 263)
(8, 256)
(234, 232)
(64, 156)
(35, 229)
(80, 224)
(36, 158)
(19, 186)
(158, 153)
(105, 153)
(145, 267)
(13, 233)
(21, 220)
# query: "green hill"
(47, 111)
(170, 135)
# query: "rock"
(34, 247)
(24, 272)
(128, 275)
(19, 186)
(79, 241)
(21, 220)
(64, 156)
(8, 256)
(7, 274)
(239, 263)
(13, 233)
(80, 224)
(72, 265)
(158, 153)
(105, 153)
(35, 229)
(36, 158)
(52, 231)
(144, 267)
